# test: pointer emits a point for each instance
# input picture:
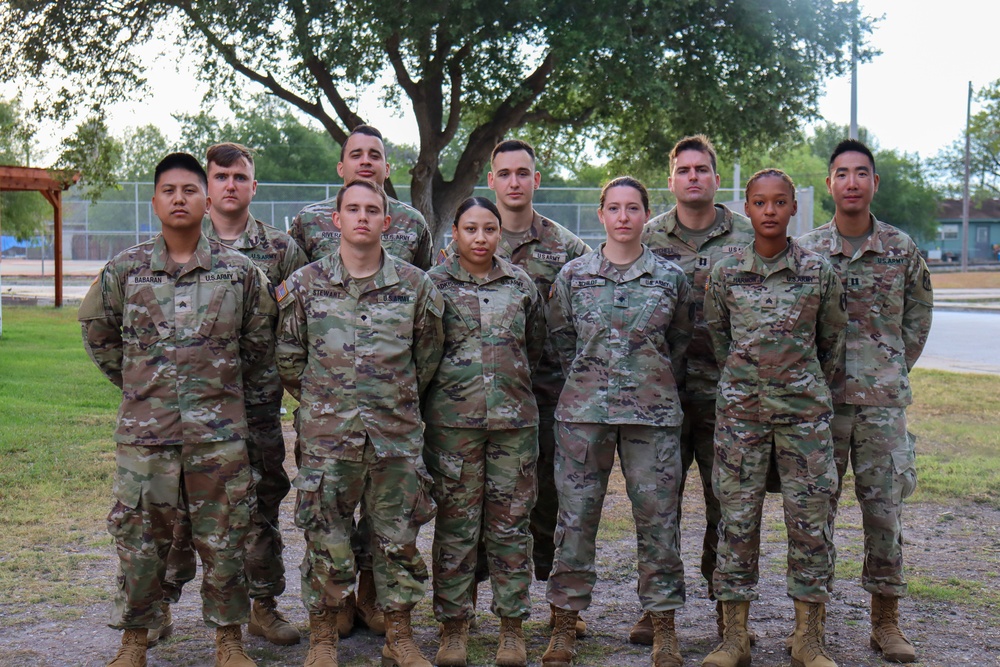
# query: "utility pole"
(965, 196)
(854, 73)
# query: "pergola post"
(51, 183)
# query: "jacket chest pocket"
(220, 320)
(144, 322)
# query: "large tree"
(632, 75)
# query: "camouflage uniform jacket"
(889, 304)
(494, 332)
(543, 252)
(778, 332)
(407, 238)
(621, 340)
(358, 356)
(271, 249)
(190, 352)
(729, 238)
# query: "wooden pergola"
(51, 183)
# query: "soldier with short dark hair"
(889, 305)
(184, 326)
(697, 234)
(359, 339)
(231, 187)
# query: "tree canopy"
(984, 162)
(631, 77)
(21, 213)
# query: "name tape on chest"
(394, 298)
(668, 252)
(146, 280)
(584, 283)
(330, 235)
(328, 293)
(551, 257)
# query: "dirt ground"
(953, 543)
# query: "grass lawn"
(968, 280)
(57, 454)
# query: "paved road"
(964, 342)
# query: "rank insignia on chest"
(702, 262)
(768, 301)
(854, 281)
(621, 300)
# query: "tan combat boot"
(666, 652)
(886, 635)
(734, 651)
(642, 631)
(164, 629)
(229, 648)
(721, 626)
(454, 649)
(807, 640)
(581, 625)
(560, 652)
(791, 635)
(345, 616)
(400, 650)
(267, 622)
(322, 640)
(511, 652)
(368, 612)
(133, 650)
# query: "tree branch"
(228, 53)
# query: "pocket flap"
(308, 479)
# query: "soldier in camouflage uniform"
(776, 318)
(359, 339)
(889, 303)
(541, 247)
(184, 326)
(697, 234)
(363, 156)
(231, 187)
(620, 321)
(481, 444)
(407, 238)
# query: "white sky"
(912, 97)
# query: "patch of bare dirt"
(959, 542)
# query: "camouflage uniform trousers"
(215, 482)
(882, 453)
(651, 463)
(398, 497)
(546, 511)
(484, 486)
(698, 446)
(265, 568)
(808, 481)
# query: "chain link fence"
(123, 218)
